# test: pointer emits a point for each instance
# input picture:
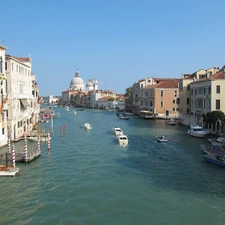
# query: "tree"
(212, 117)
(128, 92)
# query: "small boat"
(123, 140)
(196, 131)
(8, 170)
(117, 131)
(220, 140)
(67, 108)
(161, 139)
(123, 117)
(35, 138)
(172, 122)
(80, 109)
(74, 112)
(87, 126)
(215, 157)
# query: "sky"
(116, 41)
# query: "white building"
(3, 99)
(23, 96)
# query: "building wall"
(167, 105)
(3, 99)
(19, 79)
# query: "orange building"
(163, 98)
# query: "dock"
(8, 171)
(21, 156)
(31, 155)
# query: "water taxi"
(123, 140)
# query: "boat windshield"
(197, 129)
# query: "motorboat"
(123, 117)
(87, 126)
(161, 139)
(67, 108)
(42, 138)
(220, 140)
(123, 140)
(74, 112)
(216, 157)
(172, 122)
(196, 131)
(117, 131)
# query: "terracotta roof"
(166, 83)
(105, 98)
(188, 76)
(218, 75)
(21, 59)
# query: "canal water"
(87, 178)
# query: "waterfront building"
(23, 96)
(52, 99)
(99, 94)
(207, 95)
(161, 98)
(185, 114)
(3, 98)
(136, 93)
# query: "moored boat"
(196, 131)
(215, 158)
(172, 122)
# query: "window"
(174, 109)
(174, 101)
(161, 104)
(177, 109)
(151, 104)
(188, 87)
(5, 65)
(12, 66)
(217, 104)
(3, 131)
(217, 89)
(187, 110)
(188, 100)
(161, 93)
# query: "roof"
(216, 76)
(21, 59)
(167, 83)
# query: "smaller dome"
(89, 84)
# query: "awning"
(24, 103)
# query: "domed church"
(77, 83)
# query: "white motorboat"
(74, 112)
(35, 138)
(161, 139)
(123, 140)
(172, 122)
(196, 131)
(87, 126)
(117, 131)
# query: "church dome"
(89, 84)
(77, 83)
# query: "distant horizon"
(117, 42)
